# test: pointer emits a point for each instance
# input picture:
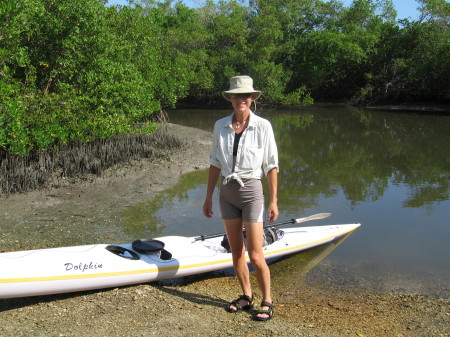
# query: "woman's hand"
(207, 208)
(272, 212)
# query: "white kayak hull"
(78, 268)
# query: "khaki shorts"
(242, 202)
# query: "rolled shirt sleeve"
(270, 160)
(213, 160)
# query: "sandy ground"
(193, 307)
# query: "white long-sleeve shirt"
(257, 152)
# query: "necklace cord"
(238, 124)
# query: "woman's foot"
(265, 313)
(244, 302)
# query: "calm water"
(388, 171)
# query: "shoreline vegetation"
(80, 71)
(324, 303)
(79, 161)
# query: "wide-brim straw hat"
(241, 85)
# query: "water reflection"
(388, 171)
(165, 213)
(289, 270)
(360, 153)
(324, 150)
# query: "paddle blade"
(317, 216)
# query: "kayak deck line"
(109, 274)
(161, 269)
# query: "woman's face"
(241, 102)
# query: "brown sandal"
(268, 312)
(236, 303)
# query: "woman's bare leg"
(255, 233)
(234, 232)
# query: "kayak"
(79, 268)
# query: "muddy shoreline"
(83, 212)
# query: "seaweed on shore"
(78, 160)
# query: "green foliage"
(78, 70)
(428, 62)
(299, 96)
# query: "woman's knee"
(258, 261)
(239, 257)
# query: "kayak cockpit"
(122, 252)
(151, 246)
(141, 246)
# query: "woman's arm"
(272, 180)
(213, 176)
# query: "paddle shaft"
(292, 221)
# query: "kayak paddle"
(317, 216)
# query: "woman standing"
(243, 151)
